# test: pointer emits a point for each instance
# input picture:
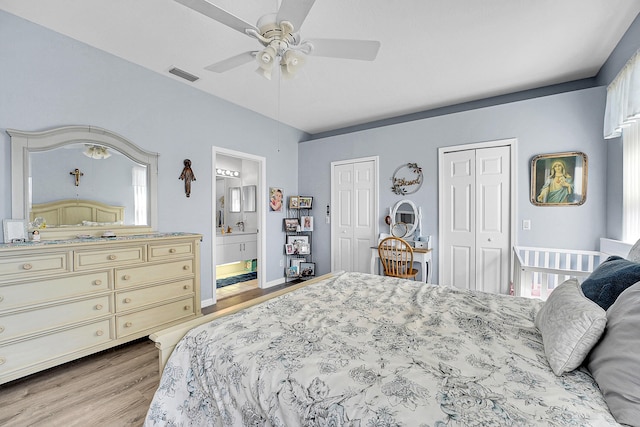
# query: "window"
(139, 181)
(622, 118)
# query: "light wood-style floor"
(111, 388)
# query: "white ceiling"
(433, 53)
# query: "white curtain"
(622, 118)
(623, 99)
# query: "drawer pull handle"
(98, 306)
(187, 307)
(128, 325)
(186, 287)
(99, 332)
(27, 266)
(172, 251)
(112, 257)
(127, 300)
(1, 329)
(97, 282)
(186, 267)
(126, 277)
(2, 360)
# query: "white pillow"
(570, 324)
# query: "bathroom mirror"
(249, 198)
(62, 173)
(404, 218)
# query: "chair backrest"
(396, 256)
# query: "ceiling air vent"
(183, 74)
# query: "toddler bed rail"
(537, 271)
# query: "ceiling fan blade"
(219, 14)
(233, 62)
(294, 11)
(365, 50)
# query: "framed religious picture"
(559, 179)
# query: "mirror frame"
(23, 143)
(416, 212)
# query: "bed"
(77, 212)
(356, 349)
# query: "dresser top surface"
(98, 240)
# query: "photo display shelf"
(298, 228)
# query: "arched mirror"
(82, 180)
(405, 218)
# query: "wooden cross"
(77, 174)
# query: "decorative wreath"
(400, 184)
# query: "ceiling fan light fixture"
(291, 62)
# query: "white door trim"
(260, 208)
(376, 195)
(512, 144)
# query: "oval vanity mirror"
(404, 218)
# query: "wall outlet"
(281, 262)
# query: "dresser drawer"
(109, 257)
(155, 317)
(12, 267)
(22, 354)
(168, 251)
(44, 318)
(129, 300)
(127, 277)
(22, 294)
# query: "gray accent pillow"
(570, 324)
(614, 362)
(634, 253)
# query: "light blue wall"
(48, 80)
(569, 121)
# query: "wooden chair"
(396, 256)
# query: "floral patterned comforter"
(365, 350)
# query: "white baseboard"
(276, 282)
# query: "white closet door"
(354, 228)
(476, 218)
(459, 183)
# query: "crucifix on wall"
(76, 172)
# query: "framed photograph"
(15, 230)
(307, 223)
(300, 244)
(288, 249)
(276, 196)
(297, 261)
(305, 202)
(307, 269)
(294, 202)
(559, 179)
(293, 271)
(291, 224)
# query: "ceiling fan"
(280, 37)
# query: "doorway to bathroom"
(238, 221)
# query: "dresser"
(61, 300)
